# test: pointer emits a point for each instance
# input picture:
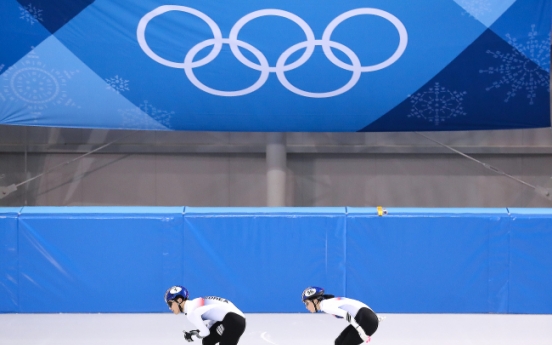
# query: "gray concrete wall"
(229, 169)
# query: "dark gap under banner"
(289, 66)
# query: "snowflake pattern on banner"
(32, 83)
(134, 119)
(31, 14)
(117, 84)
(520, 68)
(2, 98)
(475, 8)
(437, 104)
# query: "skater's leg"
(349, 336)
(233, 328)
(213, 336)
(368, 320)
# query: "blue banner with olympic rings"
(276, 65)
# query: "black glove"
(188, 335)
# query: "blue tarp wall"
(122, 259)
(276, 65)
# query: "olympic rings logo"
(281, 65)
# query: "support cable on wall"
(6, 190)
(545, 192)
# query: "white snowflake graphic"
(32, 83)
(475, 8)
(437, 104)
(520, 68)
(117, 84)
(134, 119)
(31, 14)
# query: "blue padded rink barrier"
(439, 276)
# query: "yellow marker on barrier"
(381, 211)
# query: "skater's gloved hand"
(365, 337)
(191, 335)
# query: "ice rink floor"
(275, 329)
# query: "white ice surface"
(275, 329)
